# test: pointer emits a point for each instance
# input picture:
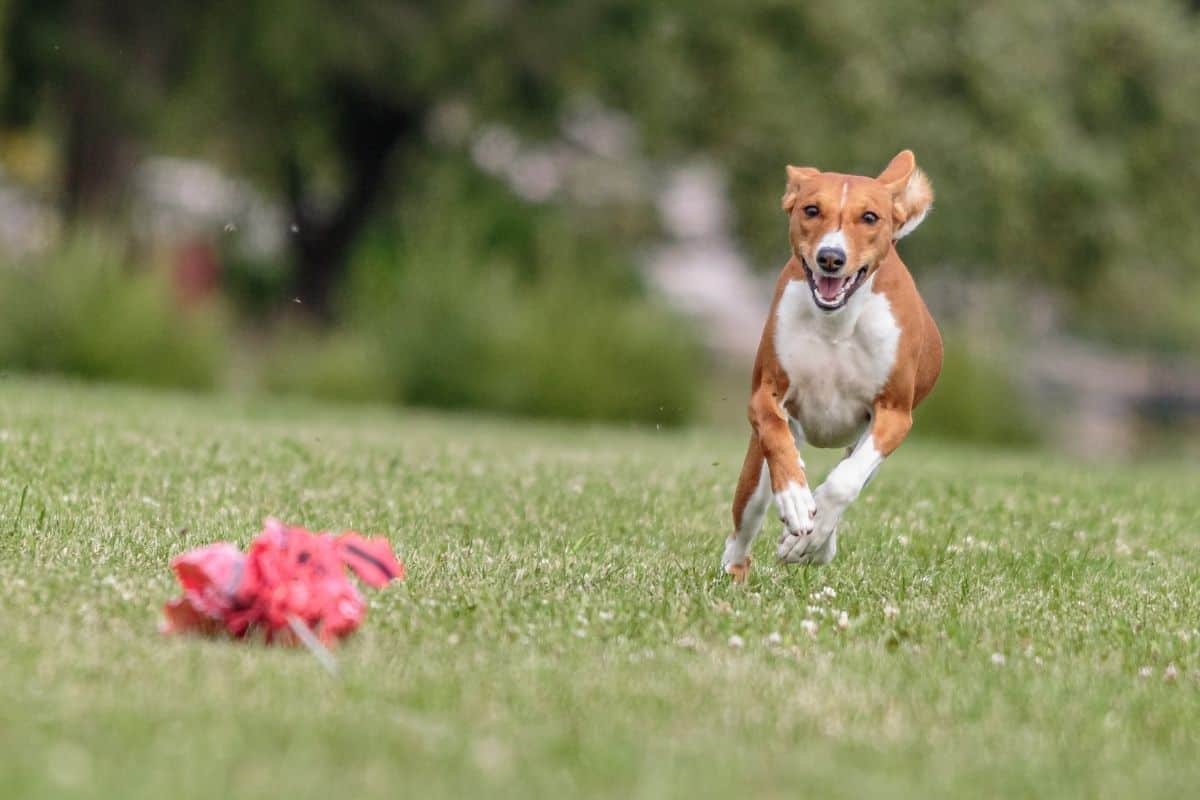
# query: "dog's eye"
(870, 217)
(811, 211)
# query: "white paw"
(816, 547)
(736, 551)
(797, 508)
(819, 545)
(812, 549)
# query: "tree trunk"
(98, 152)
(97, 158)
(370, 131)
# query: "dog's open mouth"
(832, 291)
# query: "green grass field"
(564, 630)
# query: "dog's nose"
(831, 259)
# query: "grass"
(563, 631)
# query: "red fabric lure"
(290, 576)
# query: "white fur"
(737, 546)
(836, 238)
(796, 508)
(832, 239)
(911, 225)
(837, 362)
(847, 479)
(833, 497)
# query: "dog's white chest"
(836, 363)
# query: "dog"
(848, 351)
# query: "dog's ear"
(795, 177)
(912, 194)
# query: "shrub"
(78, 311)
(976, 400)
(344, 366)
(556, 326)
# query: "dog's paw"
(739, 571)
(797, 509)
(735, 562)
(816, 547)
(820, 546)
(813, 549)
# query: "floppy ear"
(795, 177)
(912, 194)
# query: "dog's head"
(842, 226)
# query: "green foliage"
(77, 311)
(976, 400)
(538, 322)
(342, 366)
(1051, 131)
(1044, 126)
(1136, 309)
(1060, 137)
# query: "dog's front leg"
(889, 427)
(789, 483)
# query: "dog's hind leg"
(750, 502)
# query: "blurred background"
(571, 210)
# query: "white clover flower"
(737, 642)
(810, 627)
(998, 659)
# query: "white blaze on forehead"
(835, 238)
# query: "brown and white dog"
(848, 351)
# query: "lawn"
(1015, 624)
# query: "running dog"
(848, 351)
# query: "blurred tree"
(94, 72)
(1052, 131)
(328, 103)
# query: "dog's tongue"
(829, 287)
